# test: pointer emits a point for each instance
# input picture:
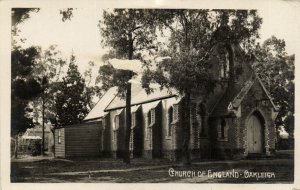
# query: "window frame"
(59, 136)
(151, 117)
(117, 122)
(175, 113)
(223, 130)
(133, 119)
(170, 120)
(225, 67)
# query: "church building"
(237, 120)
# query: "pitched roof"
(222, 105)
(234, 96)
(239, 98)
(148, 106)
(98, 110)
(135, 108)
(139, 96)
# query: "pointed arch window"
(224, 70)
(151, 116)
(223, 130)
(133, 119)
(170, 119)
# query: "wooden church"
(235, 121)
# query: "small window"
(224, 70)
(170, 117)
(133, 119)
(114, 136)
(59, 136)
(203, 113)
(117, 122)
(151, 117)
(175, 112)
(222, 130)
(223, 125)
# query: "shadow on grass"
(52, 170)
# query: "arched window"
(202, 111)
(151, 117)
(222, 130)
(223, 125)
(170, 120)
(133, 119)
(117, 122)
(224, 66)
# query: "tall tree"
(193, 34)
(91, 90)
(24, 88)
(49, 67)
(71, 105)
(128, 33)
(23, 85)
(277, 70)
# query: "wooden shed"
(79, 140)
(88, 138)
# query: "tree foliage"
(193, 35)
(129, 33)
(49, 67)
(24, 87)
(91, 91)
(67, 14)
(71, 103)
(277, 70)
(19, 15)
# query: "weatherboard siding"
(83, 140)
(60, 147)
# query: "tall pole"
(126, 156)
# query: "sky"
(81, 34)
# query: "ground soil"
(49, 169)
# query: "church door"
(254, 135)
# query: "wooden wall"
(79, 140)
(83, 139)
(60, 147)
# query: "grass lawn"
(47, 170)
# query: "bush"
(36, 148)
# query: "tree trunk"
(53, 146)
(126, 156)
(16, 146)
(43, 127)
(186, 159)
(126, 153)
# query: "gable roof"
(98, 109)
(148, 106)
(234, 96)
(139, 96)
(239, 98)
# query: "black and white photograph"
(151, 94)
